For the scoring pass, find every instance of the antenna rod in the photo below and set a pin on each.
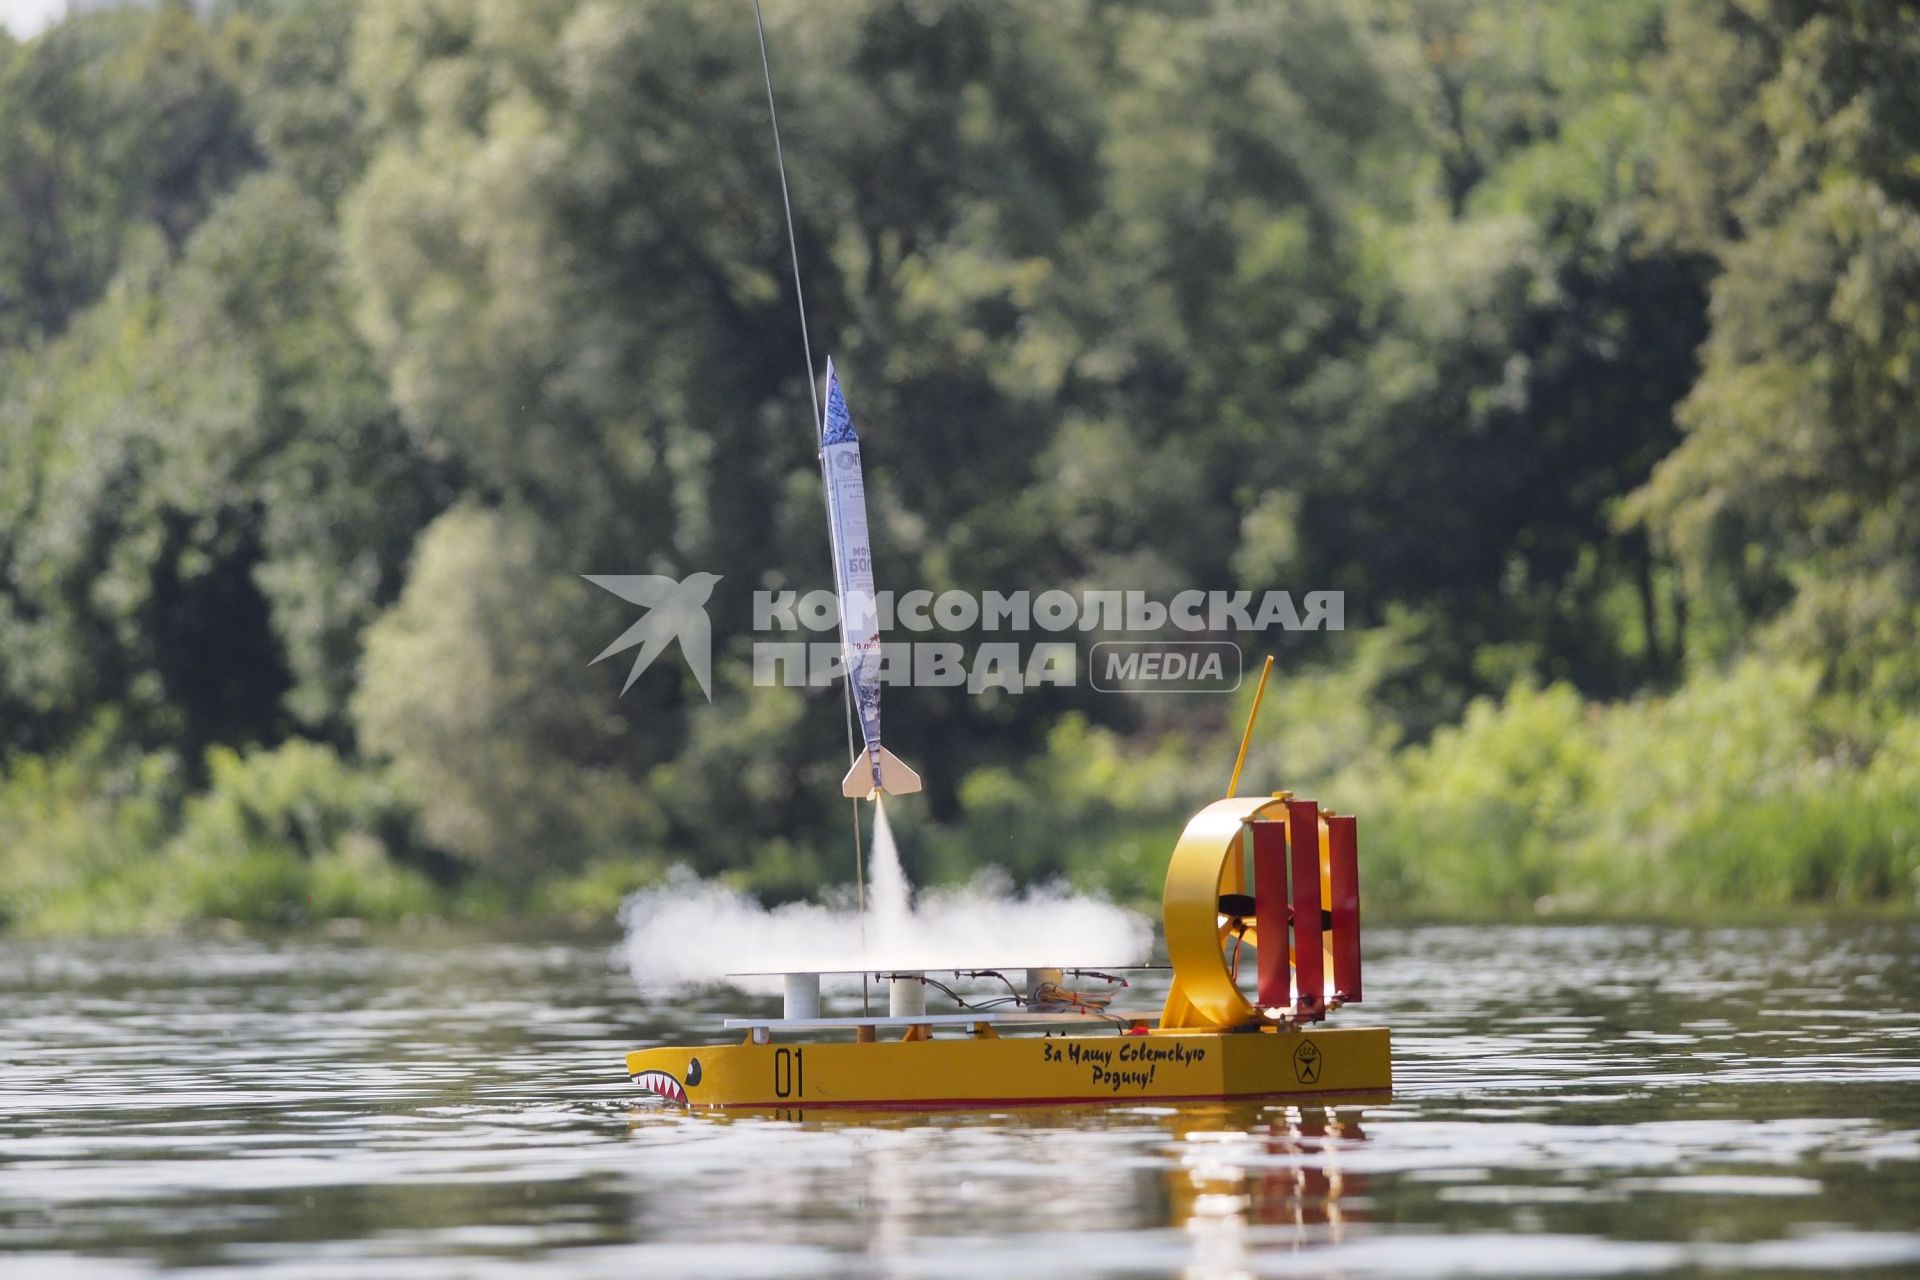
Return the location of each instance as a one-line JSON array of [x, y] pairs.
[[786, 203], [819, 436], [1246, 738]]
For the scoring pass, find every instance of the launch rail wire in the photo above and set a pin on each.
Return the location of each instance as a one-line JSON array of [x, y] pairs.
[[819, 436]]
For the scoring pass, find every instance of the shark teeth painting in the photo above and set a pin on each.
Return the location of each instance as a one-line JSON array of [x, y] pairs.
[[667, 1085]]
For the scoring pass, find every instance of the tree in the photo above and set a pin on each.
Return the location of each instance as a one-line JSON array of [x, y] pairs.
[[209, 496], [1793, 162], [475, 688], [107, 122]]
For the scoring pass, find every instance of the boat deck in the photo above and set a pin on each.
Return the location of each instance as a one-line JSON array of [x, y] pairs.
[[1020, 1017]]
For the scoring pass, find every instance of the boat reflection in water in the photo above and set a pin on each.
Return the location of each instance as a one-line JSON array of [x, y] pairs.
[[1241, 1190], [1240, 1182]]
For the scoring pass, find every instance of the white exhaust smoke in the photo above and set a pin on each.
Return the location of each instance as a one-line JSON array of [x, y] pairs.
[[687, 931]]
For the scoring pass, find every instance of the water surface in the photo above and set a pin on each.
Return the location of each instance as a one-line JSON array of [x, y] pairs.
[[1570, 1101]]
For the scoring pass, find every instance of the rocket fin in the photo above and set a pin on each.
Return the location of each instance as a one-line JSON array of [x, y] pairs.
[[896, 779]]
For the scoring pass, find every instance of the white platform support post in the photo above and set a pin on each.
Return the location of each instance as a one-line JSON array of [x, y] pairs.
[[803, 996], [906, 995]]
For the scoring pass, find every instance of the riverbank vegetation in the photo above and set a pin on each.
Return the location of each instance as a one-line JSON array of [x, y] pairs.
[[1576, 344]]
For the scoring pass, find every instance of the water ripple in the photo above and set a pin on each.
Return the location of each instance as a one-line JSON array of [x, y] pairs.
[[1569, 1102]]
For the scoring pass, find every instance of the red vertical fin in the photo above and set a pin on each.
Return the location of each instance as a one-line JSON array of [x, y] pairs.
[[1344, 869], [1270, 912], [1309, 966]]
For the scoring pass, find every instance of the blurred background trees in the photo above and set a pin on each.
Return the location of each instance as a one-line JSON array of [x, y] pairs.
[[1575, 343]]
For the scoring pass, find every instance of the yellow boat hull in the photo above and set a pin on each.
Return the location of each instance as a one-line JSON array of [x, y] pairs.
[[1163, 1066]]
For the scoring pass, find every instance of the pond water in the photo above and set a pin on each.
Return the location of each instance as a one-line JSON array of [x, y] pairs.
[[1576, 1101]]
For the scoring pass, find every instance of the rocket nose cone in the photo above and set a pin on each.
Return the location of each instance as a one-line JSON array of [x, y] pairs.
[[838, 428]]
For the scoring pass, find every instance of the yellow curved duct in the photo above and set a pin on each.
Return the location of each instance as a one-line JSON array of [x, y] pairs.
[[1206, 863]]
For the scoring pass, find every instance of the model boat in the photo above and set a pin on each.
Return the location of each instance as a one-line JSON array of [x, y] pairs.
[[1272, 879]]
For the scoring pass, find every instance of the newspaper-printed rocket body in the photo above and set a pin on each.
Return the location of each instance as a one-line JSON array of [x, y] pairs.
[[876, 769]]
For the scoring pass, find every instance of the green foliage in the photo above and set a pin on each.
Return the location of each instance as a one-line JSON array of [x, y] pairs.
[[107, 122], [1744, 787], [296, 69], [210, 497], [1091, 808], [1575, 343], [1787, 503], [1747, 787], [289, 837], [72, 827], [301, 800], [105, 840], [340, 489], [471, 688]]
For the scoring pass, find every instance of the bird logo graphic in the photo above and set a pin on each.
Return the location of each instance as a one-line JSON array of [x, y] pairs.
[[675, 611]]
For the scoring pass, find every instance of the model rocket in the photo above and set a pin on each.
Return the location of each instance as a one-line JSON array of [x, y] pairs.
[[875, 770]]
